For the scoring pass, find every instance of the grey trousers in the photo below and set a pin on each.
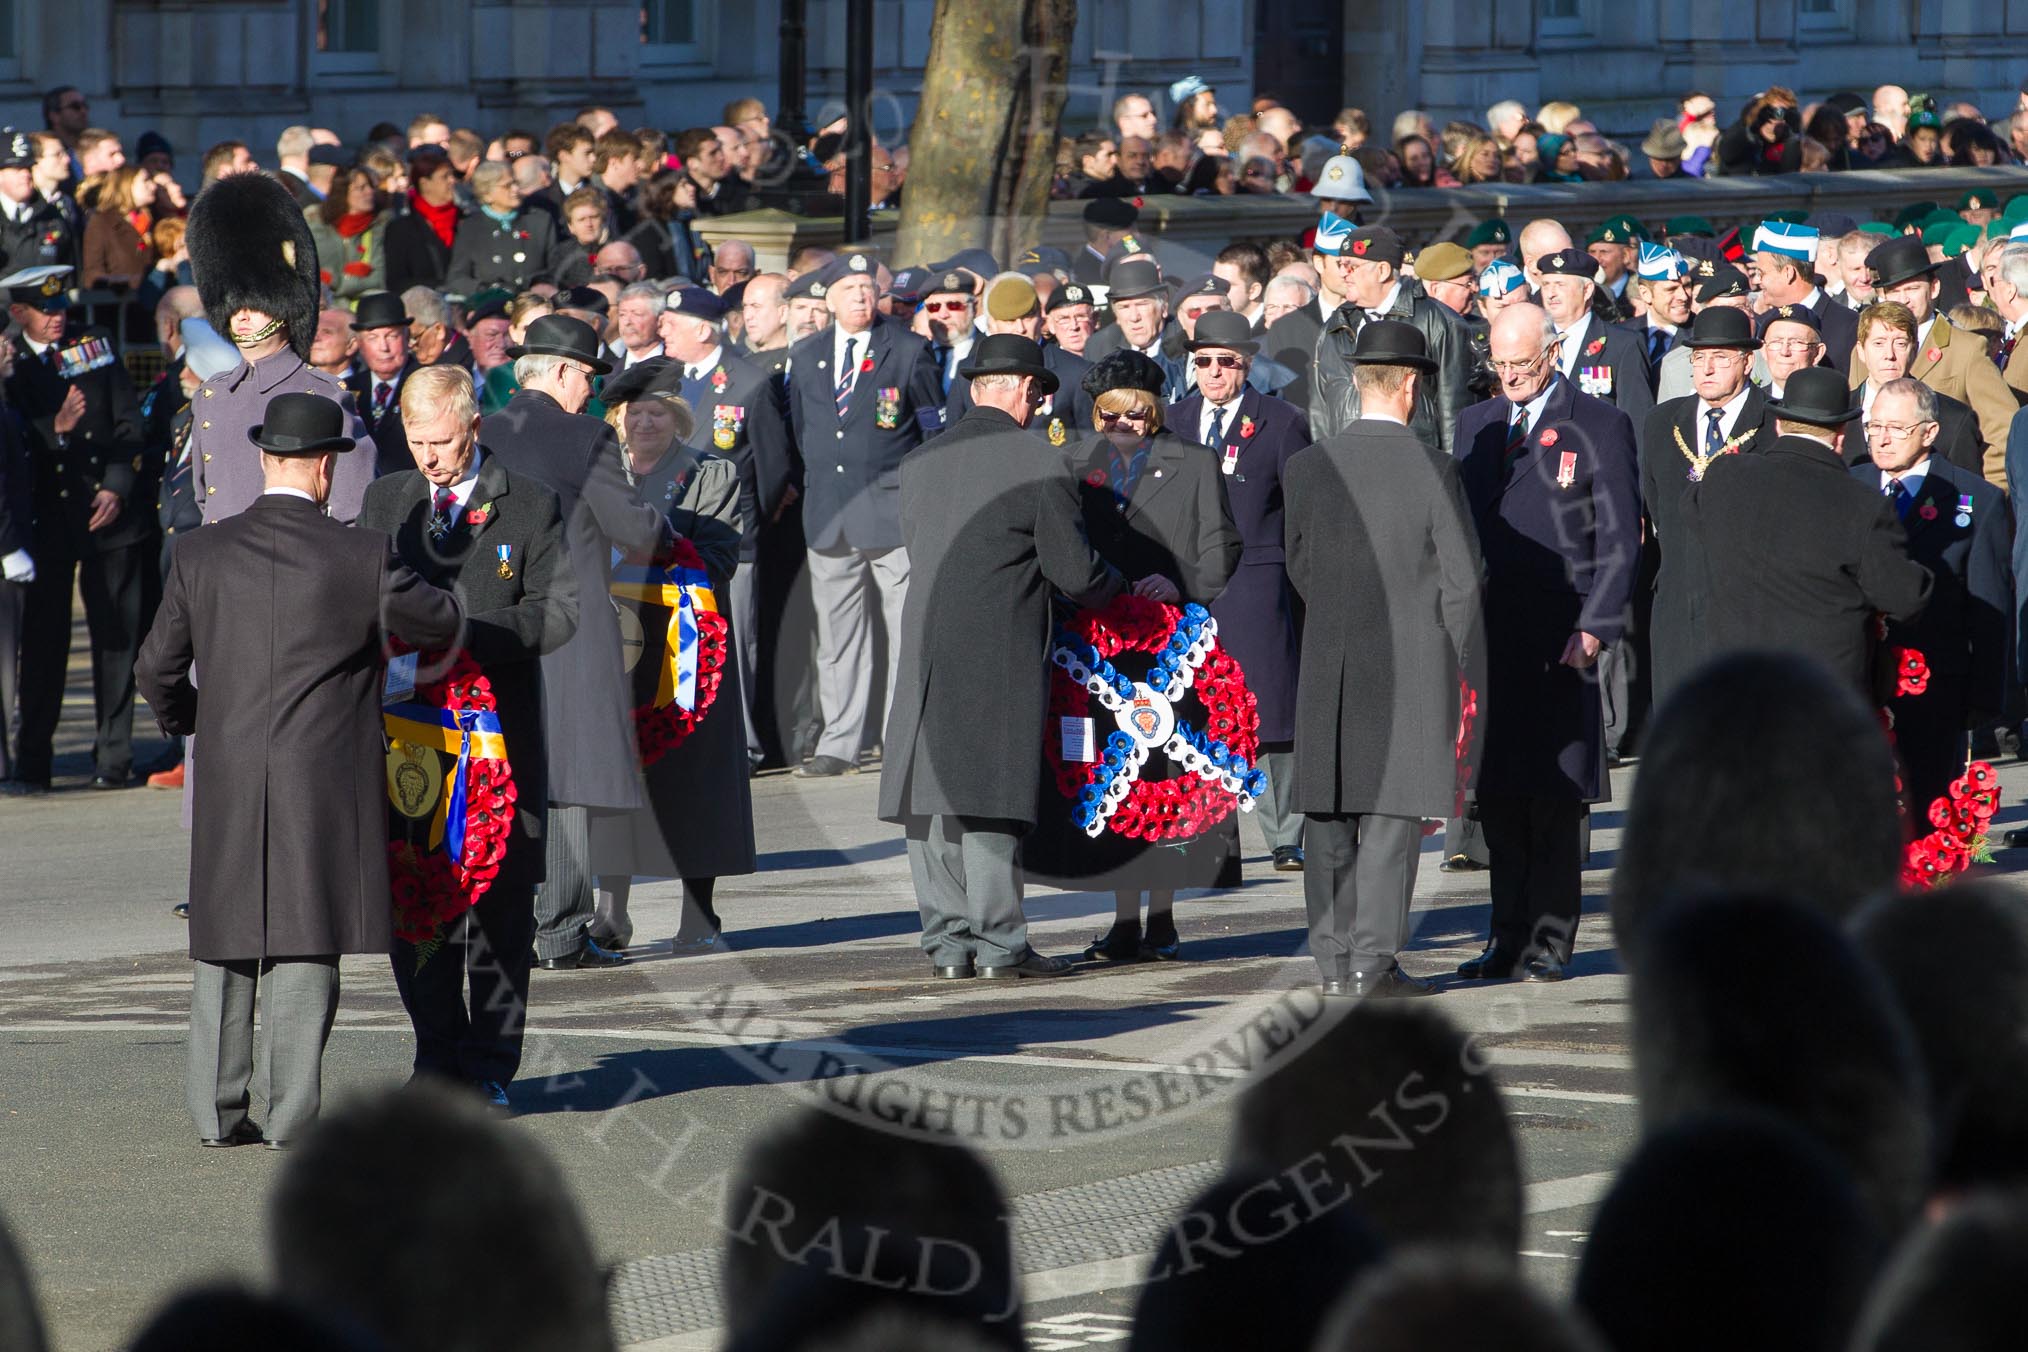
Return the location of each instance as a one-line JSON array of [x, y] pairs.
[[564, 899], [967, 880], [839, 587], [301, 998], [1358, 876], [1282, 826], [746, 633]]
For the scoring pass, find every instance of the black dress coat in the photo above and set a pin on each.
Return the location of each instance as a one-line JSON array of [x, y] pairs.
[[390, 441], [1176, 523], [1797, 556], [1673, 645], [1560, 558], [698, 822], [414, 255], [104, 450], [286, 612], [992, 524], [1840, 327], [1382, 551], [1957, 439], [1063, 416], [1965, 633], [587, 705], [510, 622], [852, 469], [1256, 612]]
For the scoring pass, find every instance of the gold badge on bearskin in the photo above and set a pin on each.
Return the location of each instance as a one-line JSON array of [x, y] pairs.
[[1057, 436], [633, 639], [415, 778]]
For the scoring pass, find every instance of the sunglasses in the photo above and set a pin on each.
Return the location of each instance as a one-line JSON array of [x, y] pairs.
[[1221, 361], [1111, 418], [936, 307]]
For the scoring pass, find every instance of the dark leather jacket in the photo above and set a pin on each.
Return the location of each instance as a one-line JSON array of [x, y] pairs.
[[1334, 399]]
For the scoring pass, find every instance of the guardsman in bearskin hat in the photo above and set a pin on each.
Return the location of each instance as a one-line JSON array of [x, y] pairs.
[[256, 270]]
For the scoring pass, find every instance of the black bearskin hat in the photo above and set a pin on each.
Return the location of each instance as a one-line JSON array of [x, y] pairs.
[[250, 249], [1125, 369]]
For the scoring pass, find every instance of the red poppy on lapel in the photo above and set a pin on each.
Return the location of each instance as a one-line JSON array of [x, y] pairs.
[[1594, 347], [1548, 436], [1246, 428], [1097, 478], [866, 364], [1927, 511]]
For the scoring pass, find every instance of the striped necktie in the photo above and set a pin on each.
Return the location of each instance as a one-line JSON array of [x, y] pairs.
[[848, 371], [1517, 438]]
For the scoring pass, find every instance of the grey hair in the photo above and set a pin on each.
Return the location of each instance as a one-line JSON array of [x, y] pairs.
[[486, 177], [1001, 380], [1295, 284], [657, 299], [2014, 266], [537, 367], [293, 141], [1503, 110], [1924, 396], [425, 307]]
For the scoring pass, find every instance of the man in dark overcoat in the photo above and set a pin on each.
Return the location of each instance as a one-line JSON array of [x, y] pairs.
[[1380, 543], [286, 611], [587, 703], [992, 524], [495, 539], [738, 417], [863, 393], [1961, 528], [1727, 415], [1253, 435], [381, 327], [1796, 555], [84, 439], [1552, 477]]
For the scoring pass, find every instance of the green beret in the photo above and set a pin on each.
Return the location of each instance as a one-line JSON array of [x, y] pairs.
[[1912, 213], [1924, 118], [2016, 207], [1958, 239], [1879, 228], [1978, 199], [1493, 231], [1692, 225], [1608, 232], [1935, 233], [1788, 217]]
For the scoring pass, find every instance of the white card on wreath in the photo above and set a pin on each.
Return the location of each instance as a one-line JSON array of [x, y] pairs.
[[400, 679], [1078, 737]]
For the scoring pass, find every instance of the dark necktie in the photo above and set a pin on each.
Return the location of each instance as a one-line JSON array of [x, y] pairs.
[[943, 353], [1517, 438], [1658, 345], [848, 371], [382, 393], [1898, 494], [1712, 439], [440, 514], [1219, 418]]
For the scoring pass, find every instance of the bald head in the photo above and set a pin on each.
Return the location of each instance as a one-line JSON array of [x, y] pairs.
[[1541, 237], [1519, 345], [1526, 325], [621, 259]]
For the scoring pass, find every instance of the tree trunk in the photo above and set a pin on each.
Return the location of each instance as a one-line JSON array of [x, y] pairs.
[[983, 150]]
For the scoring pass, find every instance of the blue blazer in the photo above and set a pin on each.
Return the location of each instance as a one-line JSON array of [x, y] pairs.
[[852, 467]]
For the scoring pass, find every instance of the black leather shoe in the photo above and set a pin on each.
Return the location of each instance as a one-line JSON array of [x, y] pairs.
[[960, 972], [1032, 965], [494, 1092], [612, 941], [1461, 863], [1288, 859], [825, 767], [1543, 967], [693, 945], [23, 788], [1161, 943], [1388, 985], [246, 1133], [103, 782], [591, 955], [1121, 943], [1336, 988], [2016, 838], [276, 1144], [181, 910], [1494, 964]]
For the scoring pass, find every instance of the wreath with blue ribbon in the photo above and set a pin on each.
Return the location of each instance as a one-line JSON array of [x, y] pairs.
[[675, 595]]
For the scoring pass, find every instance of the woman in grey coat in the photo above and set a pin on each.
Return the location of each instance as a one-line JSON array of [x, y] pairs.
[[698, 824]]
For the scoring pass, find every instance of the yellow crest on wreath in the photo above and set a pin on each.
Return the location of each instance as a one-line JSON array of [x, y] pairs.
[[415, 779]]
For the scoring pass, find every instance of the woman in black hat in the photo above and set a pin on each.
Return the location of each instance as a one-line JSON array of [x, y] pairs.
[[1154, 508], [698, 824]]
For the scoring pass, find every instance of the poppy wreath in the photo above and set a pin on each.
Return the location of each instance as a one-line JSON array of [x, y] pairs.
[[1961, 819], [1468, 716], [696, 640], [435, 882], [1216, 765]]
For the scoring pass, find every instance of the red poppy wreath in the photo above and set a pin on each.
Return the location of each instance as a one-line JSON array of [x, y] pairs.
[[678, 610], [1188, 675]]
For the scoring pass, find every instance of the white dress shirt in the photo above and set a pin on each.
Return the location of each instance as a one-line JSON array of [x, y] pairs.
[[861, 350], [1566, 341], [629, 357], [703, 366], [1728, 416], [1212, 413], [1534, 407], [1911, 478], [461, 491], [284, 491]]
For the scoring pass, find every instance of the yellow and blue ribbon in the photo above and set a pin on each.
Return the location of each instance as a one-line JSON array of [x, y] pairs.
[[686, 593], [460, 732]]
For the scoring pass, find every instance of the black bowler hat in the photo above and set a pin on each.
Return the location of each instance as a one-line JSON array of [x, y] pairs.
[[562, 336], [1132, 278], [1390, 342], [1816, 395], [1111, 213], [1898, 259], [1008, 354], [300, 424], [1224, 328], [379, 310], [1722, 326]]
